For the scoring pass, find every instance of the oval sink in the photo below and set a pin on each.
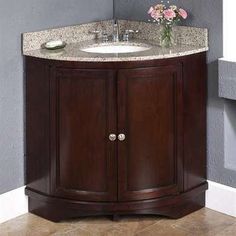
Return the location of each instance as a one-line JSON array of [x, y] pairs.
[[121, 48]]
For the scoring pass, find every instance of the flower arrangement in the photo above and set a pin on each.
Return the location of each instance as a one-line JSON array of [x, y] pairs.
[[167, 17]]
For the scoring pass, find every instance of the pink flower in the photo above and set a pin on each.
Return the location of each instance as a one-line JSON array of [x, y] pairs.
[[150, 10], [183, 13], [156, 15], [169, 14]]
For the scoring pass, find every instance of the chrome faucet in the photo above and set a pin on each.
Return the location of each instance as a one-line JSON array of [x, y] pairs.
[[115, 36], [116, 33]]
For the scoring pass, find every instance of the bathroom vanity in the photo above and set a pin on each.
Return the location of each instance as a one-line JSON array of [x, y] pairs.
[[115, 134]]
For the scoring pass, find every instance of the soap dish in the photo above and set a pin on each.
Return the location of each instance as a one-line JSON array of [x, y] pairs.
[[54, 44]]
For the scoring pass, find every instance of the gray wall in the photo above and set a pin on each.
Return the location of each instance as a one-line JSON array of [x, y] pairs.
[[203, 13], [227, 89], [17, 17]]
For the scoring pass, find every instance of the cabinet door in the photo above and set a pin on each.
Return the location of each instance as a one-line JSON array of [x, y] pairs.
[[85, 165], [150, 160]]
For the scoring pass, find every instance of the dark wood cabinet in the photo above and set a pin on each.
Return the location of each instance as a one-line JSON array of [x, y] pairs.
[[149, 103], [116, 138], [85, 114]]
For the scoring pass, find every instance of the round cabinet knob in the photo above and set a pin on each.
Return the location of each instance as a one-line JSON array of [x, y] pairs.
[[112, 137], [121, 137]]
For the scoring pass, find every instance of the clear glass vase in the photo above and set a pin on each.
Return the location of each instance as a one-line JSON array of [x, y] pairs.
[[167, 36]]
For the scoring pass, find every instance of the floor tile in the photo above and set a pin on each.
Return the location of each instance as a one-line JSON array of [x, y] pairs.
[[30, 224], [75, 232], [201, 223], [204, 222], [127, 225], [228, 231], [160, 229]]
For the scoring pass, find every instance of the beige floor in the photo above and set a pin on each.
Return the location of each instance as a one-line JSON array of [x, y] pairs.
[[203, 222]]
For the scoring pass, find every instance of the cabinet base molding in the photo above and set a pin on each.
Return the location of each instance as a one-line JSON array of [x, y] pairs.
[[58, 209]]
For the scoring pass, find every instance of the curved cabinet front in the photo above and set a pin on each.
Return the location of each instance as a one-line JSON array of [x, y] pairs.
[[110, 138], [150, 159]]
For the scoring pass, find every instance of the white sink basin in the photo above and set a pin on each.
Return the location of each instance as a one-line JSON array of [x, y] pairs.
[[121, 48]]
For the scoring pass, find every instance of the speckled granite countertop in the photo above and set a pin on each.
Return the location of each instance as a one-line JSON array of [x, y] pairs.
[[72, 52], [189, 41]]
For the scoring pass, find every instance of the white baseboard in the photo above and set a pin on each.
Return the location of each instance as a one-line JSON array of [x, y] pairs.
[[221, 198], [13, 204]]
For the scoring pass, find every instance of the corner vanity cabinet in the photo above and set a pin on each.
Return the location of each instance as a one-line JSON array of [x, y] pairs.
[[115, 138]]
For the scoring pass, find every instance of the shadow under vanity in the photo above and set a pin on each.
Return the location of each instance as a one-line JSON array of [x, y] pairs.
[[115, 134]]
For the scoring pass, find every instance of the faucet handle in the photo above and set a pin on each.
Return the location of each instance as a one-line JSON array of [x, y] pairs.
[[95, 32], [104, 36], [131, 31], [127, 33]]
